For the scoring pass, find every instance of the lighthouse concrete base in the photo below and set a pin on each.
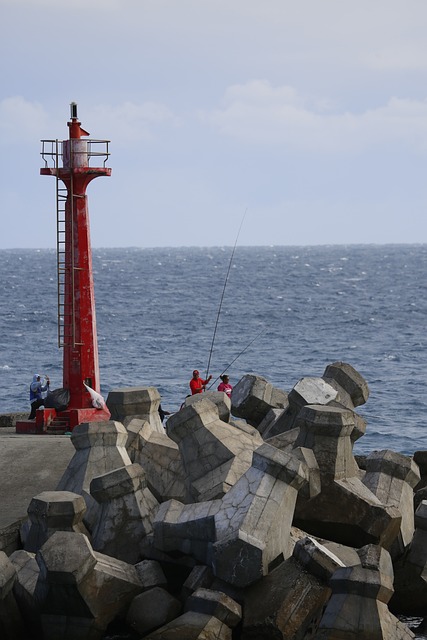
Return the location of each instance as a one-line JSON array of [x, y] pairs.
[[88, 414], [51, 421], [44, 418]]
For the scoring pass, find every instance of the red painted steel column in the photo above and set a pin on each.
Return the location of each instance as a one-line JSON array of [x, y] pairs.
[[80, 360], [80, 335]]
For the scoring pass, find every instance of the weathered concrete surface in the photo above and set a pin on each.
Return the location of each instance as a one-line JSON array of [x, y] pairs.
[[314, 485], [348, 555], [220, 400], [200, 577], [28, 465], [287, 603], [420, 459], [151, 574], [345, 510], [209, 615], [392, 477], [11, 621], [161, 460], [268, 426], [214, 453], [100, 447], [193, 626], [307, 391], [9, 420], [253, 524], [52, 511], [419, 496], [285, 440], [358, 605], [81, 591], [215, 603], [340, 386], [244, 532], [127, 510], [135, 402], [349, 383], [24, 587], [316, 558], [188, 529], [152, 609], [253, 397], [410, 584]]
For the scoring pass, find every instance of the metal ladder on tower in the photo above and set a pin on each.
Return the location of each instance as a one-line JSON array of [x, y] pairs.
[[64, 261], [60, 424]]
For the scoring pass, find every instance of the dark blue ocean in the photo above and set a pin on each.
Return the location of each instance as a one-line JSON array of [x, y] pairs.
[[288, 312]]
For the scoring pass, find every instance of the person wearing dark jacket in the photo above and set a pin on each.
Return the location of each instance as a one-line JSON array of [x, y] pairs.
[[37, 389]]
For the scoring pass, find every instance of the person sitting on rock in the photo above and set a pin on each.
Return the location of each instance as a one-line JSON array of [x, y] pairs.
[[197, 384], [37, 389]]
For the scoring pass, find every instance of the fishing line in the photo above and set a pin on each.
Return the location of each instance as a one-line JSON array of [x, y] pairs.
[[238, 356], [222, 296]]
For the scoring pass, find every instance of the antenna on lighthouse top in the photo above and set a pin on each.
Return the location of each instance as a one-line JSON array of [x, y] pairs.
[[76, 131]]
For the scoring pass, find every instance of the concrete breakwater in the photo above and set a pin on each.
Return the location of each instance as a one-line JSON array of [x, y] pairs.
[[246, 518]]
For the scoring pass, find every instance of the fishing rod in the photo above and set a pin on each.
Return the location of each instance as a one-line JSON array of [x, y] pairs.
[[238, 356], [222, 296]]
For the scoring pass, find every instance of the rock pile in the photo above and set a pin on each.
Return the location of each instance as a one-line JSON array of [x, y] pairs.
[[246, 518]]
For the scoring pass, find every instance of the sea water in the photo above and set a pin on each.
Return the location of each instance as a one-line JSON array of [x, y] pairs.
[[280, 312]]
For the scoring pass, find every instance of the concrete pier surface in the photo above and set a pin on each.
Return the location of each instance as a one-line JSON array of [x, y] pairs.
[[29, 464]]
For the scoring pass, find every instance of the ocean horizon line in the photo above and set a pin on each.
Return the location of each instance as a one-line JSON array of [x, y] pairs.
[[243, 246]]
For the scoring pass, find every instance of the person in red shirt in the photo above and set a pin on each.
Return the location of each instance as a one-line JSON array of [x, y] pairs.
[[225, 385], [197, 384]]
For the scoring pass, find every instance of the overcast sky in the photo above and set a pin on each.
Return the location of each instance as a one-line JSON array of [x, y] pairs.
[[311, 115]]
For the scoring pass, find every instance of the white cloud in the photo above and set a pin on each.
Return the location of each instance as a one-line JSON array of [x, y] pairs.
[[22, 120], [129, 122], [259, 113]]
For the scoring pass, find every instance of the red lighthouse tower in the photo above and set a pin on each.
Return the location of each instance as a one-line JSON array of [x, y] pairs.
[[70, 162]]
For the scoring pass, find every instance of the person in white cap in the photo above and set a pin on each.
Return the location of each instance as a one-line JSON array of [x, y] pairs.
[[37, 389]]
